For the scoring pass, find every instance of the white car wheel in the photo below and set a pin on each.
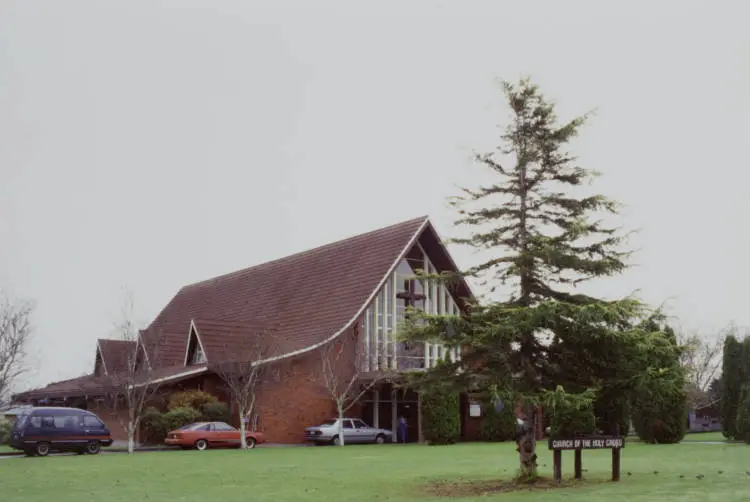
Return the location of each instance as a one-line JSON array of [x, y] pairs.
[[337, 441], [201, 445], [250, 443], [42, 449], [380, 439]]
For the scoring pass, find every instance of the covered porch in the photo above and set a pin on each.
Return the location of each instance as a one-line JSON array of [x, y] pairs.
[[383, 406]]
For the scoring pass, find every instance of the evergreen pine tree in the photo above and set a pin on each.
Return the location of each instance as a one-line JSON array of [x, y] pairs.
[[659, 400], [732, 383], [543, 242]]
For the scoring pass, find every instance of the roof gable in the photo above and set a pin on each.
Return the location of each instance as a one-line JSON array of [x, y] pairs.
[[165, 345], [114, 354], [224, 341], [309, 295]]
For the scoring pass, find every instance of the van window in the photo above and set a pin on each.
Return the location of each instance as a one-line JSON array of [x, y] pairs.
[[68, 421], [35, 421], [57, 422], [20, 422], [92, 421]]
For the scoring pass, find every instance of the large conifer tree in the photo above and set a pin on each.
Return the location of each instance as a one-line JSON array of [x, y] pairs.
[[733, 380], [542, 239]]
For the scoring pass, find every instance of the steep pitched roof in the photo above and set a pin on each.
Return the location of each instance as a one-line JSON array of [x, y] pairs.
[[115, 353], [308, 296]]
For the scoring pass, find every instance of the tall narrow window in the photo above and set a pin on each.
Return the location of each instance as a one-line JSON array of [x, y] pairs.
[[368, 341], [379, 321], [388, 316], [428, 288], [198, 356], [441, 300]]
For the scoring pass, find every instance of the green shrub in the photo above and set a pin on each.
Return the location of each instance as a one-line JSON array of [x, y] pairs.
[[497, 426], [660, 409], [195, 399], [5, 429], [218, 412], [441, 420], [569, 421], [612, 411], [180, 416], [153, 426]]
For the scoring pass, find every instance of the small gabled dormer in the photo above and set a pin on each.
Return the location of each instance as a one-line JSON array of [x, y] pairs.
[[195, 353], [99, 367]]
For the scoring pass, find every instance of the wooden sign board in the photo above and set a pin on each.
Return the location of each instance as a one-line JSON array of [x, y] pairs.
[[578, 444], [588, 443]]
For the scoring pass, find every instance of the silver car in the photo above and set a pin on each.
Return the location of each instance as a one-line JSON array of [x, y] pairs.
[[356, 431]]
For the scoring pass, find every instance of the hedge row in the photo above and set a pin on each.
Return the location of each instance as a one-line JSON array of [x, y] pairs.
[[183, 408], [441, 415], [5, 430]]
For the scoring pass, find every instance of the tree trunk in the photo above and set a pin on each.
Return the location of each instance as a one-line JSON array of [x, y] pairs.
[[243, 438], [527, 446], [341, 425], [131, 437]]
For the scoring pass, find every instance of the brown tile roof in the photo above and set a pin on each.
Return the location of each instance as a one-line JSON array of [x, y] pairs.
[[166, 345], [80, 386], [307, 297], [93, 386], [223, 340], [115, 353]]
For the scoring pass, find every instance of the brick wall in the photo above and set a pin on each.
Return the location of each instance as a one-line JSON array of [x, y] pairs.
[[297, 398], [292, 398], [115, 420]]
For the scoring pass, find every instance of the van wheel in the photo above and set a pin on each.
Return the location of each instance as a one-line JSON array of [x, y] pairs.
[[201, 445], [42, 449], [93, 447]]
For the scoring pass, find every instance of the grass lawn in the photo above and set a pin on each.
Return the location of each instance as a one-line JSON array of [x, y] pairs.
[[368, 473]]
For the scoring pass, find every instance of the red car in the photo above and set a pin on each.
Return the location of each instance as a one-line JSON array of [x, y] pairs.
[[204, 435]]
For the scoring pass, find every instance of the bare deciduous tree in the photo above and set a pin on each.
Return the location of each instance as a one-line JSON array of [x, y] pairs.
[[342, 371], [15, 332], [244, 373], [134, 386], [701, 357]]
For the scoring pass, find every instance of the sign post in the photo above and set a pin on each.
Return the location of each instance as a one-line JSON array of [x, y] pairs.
[[578, 444]]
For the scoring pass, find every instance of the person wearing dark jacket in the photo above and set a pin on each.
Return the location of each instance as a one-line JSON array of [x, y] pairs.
[[402, 430]]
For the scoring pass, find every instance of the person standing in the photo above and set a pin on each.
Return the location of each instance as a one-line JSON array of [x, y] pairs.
[[402, 429]]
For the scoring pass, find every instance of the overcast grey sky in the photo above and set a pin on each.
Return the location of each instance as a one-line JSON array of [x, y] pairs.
[[156, 143]]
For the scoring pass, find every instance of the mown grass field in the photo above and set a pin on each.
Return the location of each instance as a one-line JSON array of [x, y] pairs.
[[369, 473]]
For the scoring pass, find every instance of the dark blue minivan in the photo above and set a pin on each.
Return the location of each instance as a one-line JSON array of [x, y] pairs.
[[43, 430]]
